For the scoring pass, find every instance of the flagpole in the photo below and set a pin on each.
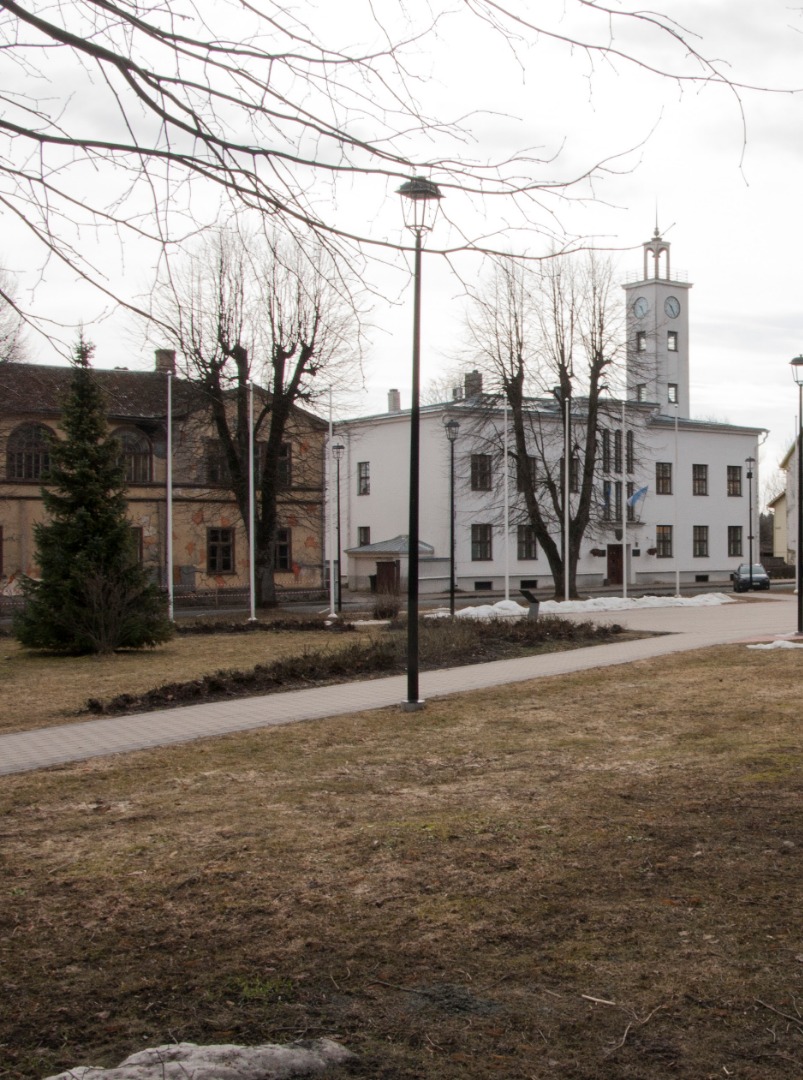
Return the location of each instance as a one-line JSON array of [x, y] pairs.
[[251, 505], [675, 488], [329, 468], [507, 510], [625, 504], [169, 497]]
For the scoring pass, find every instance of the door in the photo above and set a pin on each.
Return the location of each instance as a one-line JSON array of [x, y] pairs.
[[614, 564], [387, 577]]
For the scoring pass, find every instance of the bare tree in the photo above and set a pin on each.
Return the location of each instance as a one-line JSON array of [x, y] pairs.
[[12, 346], [547, 337], [147, 121], [273, 313]]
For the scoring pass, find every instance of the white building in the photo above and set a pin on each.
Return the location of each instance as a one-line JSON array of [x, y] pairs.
[[695, 522]]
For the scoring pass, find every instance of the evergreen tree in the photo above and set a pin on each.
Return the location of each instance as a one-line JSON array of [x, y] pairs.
[[92, 595]]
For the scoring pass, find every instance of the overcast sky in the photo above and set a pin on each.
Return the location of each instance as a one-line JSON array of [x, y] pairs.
[[731, 209]]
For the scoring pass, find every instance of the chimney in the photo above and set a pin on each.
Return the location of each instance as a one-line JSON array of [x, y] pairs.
[[394, 401], [165, 361], [473, 383]]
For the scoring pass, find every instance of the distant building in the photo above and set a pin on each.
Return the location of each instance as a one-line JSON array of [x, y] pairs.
[[210, 545], [694, 521]]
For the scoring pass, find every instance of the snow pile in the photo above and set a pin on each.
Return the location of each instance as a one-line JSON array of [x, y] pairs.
[[509, 609], [782, 644]]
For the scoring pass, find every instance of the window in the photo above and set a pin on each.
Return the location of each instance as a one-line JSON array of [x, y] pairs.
[[480, 472], [734, 540], [282, 550], [672, 393], [363, 535], [641, 341], [663, 477], [481, 543], [612, 500], [700, 541], [526, 545], [735, 480], [28, 452], [363, 477], [672, 340], [216, 470], [135, 456], [629, 451], [699, 479], [284, 466], [526, 472], [606, 451], [617, 450], [663, 541], [631, 510], [641, 392], [220, 551], [137, 545]]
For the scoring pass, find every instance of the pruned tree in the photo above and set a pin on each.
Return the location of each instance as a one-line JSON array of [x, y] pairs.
[[91, 595], [266, 311], [143, 121], [547, 338]]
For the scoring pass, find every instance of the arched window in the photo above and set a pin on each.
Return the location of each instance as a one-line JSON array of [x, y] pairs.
[[28, 452], [135, 455]]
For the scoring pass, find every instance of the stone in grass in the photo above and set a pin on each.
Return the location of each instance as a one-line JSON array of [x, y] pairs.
[[182, 1060]]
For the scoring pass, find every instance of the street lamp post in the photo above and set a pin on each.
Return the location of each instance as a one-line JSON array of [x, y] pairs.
[[797, 374], [338, 449], [750, 462], [452, 430], [420, 199]]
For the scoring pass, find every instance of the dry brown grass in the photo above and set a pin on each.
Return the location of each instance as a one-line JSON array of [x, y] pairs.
[[37, 691], [596, 876]]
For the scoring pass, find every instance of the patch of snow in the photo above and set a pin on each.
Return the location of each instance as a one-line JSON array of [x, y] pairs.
[[782, 644], [509, 609]]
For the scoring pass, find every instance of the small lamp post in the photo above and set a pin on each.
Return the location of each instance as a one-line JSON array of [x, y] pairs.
[[420, 198], [338, 449], [750, 462], [452, 431], [797, 375]]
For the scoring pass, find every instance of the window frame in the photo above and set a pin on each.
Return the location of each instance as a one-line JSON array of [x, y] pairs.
[[33, 453], [664, 540], [133, 458], [526, 543], [363, 477], [699, 479], [283, 549], [222, 548], [735, 541], [700, 537], [481, 472], [663, 477], [363, 536], [481, 542], [672, 341], [641, 341], [733, 481]]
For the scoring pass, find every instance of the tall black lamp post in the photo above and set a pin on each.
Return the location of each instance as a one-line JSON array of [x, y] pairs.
[[338, 449], [420, 198], [797, 374], [452, 430], [750, 462]]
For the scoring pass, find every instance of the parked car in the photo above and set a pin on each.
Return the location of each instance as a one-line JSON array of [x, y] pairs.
[[745, 578]]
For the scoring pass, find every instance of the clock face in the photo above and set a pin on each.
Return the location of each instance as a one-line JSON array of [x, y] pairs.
[[672, 307], [641, 307]]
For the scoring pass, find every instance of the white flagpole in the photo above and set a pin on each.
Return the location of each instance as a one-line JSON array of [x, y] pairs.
[[251, 505], [329, 468], [169, 500], [676, 490], [507, 508], [625, 506], [567, 440]]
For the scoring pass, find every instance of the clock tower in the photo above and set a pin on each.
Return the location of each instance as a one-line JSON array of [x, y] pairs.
[[657, 327]]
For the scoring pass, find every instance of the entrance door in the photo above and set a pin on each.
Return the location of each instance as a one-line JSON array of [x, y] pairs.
[[614, 564], [387, 577]]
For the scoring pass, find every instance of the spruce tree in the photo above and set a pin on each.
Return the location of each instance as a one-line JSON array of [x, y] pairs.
[[92, 596]]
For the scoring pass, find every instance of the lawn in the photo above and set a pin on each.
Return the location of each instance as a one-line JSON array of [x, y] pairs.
[[585, 877]]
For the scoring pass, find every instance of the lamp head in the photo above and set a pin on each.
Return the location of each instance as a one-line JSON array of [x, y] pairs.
[[452, 429], [420, 199], [797, 369], [338, 450]]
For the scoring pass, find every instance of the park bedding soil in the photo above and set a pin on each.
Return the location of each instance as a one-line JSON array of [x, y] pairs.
[[593, 876]]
